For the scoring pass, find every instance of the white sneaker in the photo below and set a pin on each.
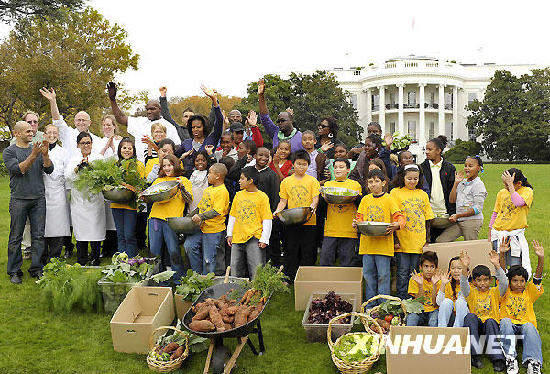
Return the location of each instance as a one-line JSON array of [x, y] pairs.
[[534, 367], [511, 365]]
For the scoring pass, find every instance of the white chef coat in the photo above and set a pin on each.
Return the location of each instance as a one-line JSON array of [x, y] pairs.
[[102, 142], [68, 136], [58, 219], [140, 126]]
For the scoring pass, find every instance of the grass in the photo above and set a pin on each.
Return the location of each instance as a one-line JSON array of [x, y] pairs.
[[37, 341]]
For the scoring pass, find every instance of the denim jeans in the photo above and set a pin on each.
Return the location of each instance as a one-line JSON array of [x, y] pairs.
[[423, 319], [202, 249], [246, 256], [35, 210], [532, 345], [490, 329], [332, 247], [160, 232], [446, 312], [510, 260], [125, 223], [376, 271], [406, 263]]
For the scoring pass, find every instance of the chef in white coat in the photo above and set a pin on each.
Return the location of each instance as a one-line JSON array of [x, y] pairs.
[[58, 220], [87, 210]]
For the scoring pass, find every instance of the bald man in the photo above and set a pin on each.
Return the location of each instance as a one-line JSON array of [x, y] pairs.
[[26, 162], [138, 127]]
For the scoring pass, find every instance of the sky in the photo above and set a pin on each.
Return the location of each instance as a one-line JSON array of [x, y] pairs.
[[227, 44]]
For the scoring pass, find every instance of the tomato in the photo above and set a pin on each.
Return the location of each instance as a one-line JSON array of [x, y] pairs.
[[388, 318]]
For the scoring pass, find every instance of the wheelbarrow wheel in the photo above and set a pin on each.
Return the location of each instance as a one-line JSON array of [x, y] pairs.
[[220, 356]]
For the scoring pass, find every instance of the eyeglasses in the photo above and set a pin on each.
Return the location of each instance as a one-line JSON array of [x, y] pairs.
[[85, 143], [280, 120], [323, 126]]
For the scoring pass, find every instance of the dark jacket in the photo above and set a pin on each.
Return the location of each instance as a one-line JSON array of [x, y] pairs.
[[330, 152], [447, 176], [183, 133]]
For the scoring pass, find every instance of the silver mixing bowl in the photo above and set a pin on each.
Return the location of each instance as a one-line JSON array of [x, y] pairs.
[[183, 225], [295, 216], [331, 198], [372, 228], [160, 192], [119, 195], [441, 222]]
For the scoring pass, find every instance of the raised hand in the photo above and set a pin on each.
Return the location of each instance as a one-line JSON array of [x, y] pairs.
[[146, 139], [417, 277], [209, 149], [388, 138], [325, 147], [211, 93], [162, 91], [252, 118], [445, 277], [459, 176], [36, 149], [437, 276], [464, 259], [538, 249], [507, 178], [111, 90], [44, 148], [186, 154], [226, 123], [261, 86], [48, 94], [494, 258], [504, 245]]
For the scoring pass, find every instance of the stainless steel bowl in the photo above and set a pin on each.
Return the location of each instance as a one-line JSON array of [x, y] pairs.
[[160, 192], [119, 195], [295, 216], [183, 225], [441, 222], [330, 197], [372, 228]]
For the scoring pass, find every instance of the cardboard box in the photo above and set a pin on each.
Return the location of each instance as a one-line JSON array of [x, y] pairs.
[[451, 356], [142, 311], [477, 249], [319, 279]]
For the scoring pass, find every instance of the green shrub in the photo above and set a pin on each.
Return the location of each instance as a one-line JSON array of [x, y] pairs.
[[462, 149]]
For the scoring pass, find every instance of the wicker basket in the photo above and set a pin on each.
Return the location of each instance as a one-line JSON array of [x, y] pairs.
[[375, 309], [358, 367], [166, 366]]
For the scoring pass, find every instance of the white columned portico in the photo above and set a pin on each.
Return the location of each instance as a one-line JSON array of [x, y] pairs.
[[422, 121], [382, 110], [400, 121], [454, 128], [441, 110], [369, 105]]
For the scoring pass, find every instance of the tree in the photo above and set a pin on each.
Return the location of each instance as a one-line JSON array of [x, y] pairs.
[[312, 97], [514, 117], [200, 105], [76, 56], [462, 149], [13, 10]]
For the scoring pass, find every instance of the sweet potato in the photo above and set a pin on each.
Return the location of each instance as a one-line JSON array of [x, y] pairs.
[[177, 353], [226, 317], [216, 319], [202, 313], [255, 312], [170, 347], [228, 326], [202, 326], [241, 316], [232, 310]]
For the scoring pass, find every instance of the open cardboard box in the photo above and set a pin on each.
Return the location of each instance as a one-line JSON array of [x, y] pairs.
[[421, 350], [478, 250], [319, 279], [143, 310]]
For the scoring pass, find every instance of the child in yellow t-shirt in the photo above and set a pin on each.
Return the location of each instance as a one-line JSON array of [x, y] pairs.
[[483, 302], [299, 190], [159, 231], [517, 317], [452, 305], [425, 285], [203, 246], [415, 205], [377, 251], [249, 226], [340, 236]]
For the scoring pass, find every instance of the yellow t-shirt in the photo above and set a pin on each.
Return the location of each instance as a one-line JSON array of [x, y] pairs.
[[519, 306], [216, 198], [509, 216], [149, 165], [428, 292], [416, 207], [449, 291], [141, 171], [340, 216], [377, 209], [250, 209], [484, 304], [300, 192], [173, 207]]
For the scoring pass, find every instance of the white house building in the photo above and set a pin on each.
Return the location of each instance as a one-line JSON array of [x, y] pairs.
[[420, 96]]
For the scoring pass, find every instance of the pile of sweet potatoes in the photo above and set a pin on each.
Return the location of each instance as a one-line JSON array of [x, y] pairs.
[[224, 314]]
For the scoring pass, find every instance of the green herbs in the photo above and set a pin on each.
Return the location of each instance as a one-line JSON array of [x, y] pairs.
[[356, 347], [133, 270], [192, 285], [394, 307], [269, 279]]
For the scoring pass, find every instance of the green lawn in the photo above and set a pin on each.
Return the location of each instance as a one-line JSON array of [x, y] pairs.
[[37, 341]]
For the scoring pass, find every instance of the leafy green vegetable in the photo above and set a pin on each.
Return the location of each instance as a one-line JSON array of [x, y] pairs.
[[196, 343], [192, 285], [268, 279], [133, 270], [400, 142], [356, 347], [394, 307]]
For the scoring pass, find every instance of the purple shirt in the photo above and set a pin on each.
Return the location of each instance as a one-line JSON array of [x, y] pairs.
[[273, 131]]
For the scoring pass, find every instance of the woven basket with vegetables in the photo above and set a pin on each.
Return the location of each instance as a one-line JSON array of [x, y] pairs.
[[167, 353], [355, 353], [389, 313]]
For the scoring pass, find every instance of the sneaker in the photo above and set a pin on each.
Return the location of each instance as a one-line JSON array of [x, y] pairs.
[[16, 279], [499, 366], [511, 365], [476, 362], [534, 367], [26, 254]]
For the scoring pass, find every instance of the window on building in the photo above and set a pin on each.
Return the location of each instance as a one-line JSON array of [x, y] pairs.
[[431, 97], [353, 99], [411, 96], [471, 134], [392, 127], [448, 100], [431, 130], [392, 99], [411, 128], [471, 97], [375, 102]]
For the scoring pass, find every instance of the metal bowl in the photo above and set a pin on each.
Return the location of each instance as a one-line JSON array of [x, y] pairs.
[[295, 216], [119, 195], [183, 225], [330, 197], [160, 192], [372, 228], [441, 222]]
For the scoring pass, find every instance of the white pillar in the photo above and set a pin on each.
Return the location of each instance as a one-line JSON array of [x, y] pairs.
[[455, 114], [422, 121], [369, 105], [382, 111], [400, 122], [441, 111]]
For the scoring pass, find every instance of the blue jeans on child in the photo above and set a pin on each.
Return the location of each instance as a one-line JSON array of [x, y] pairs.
[[201, 249], [446, 311], [160, 232], [532, 345], [376, 271], [423, 319], [490, 329], [246, 256], [406, 263], [125, 223], [510, 260]]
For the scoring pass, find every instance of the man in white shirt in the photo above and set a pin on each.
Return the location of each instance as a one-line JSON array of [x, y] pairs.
[[138, 127]]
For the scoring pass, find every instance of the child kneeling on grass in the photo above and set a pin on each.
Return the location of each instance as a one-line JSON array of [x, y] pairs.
[[249, 226], [517, 317], [377, 251], [452, 304], [483, 302], [425, 285]]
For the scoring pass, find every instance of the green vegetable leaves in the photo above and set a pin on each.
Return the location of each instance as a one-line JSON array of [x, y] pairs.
[[356, 347], [394, 307], [399, 142], [268, 279], [192, 285]]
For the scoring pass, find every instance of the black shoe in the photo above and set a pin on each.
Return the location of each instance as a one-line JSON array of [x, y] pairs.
[[476, 362], [38, 274], [499, 366], [16, 279], [96, 262]]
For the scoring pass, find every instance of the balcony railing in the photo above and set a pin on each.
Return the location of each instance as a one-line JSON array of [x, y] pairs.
[[392, 106], [448, 106], [375, 108]]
